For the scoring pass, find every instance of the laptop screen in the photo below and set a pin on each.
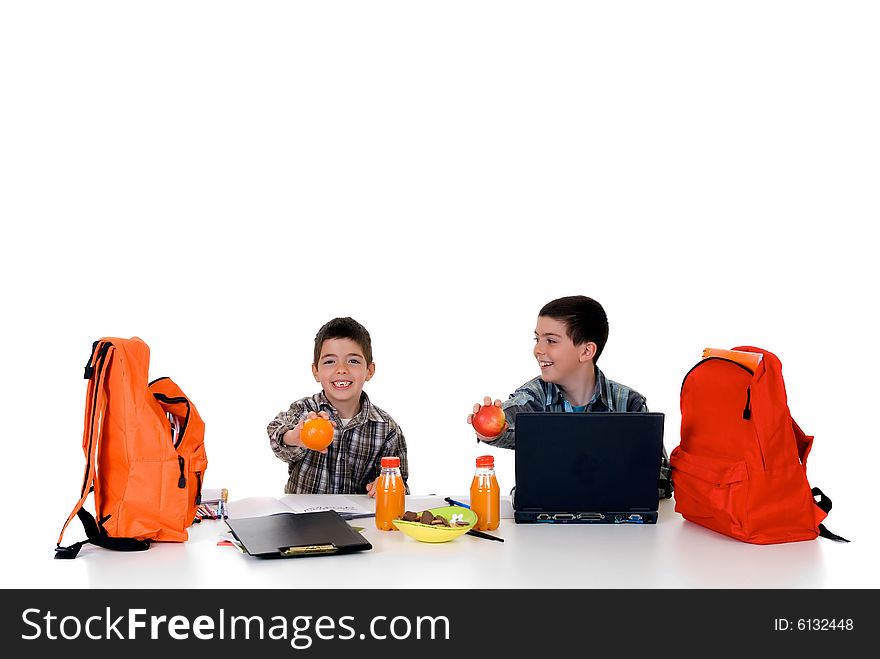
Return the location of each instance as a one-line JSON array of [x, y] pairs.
[[587, 462]]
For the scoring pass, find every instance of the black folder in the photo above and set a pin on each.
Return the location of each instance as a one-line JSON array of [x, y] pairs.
[[295, 535]]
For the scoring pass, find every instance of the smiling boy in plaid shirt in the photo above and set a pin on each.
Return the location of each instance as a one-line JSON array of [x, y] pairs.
[[363, 433]]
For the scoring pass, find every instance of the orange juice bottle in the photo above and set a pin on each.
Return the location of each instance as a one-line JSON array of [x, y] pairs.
[[486, 495], [390, 495]]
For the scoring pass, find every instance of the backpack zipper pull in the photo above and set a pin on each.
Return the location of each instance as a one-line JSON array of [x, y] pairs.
[[747, 412], [181, 483]]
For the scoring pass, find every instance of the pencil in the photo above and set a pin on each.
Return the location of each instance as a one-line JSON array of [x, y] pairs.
[[221, 505], [453, 502], [480, 534]]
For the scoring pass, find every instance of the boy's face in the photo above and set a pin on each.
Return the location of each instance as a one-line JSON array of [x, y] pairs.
[[342, 370], [560, 359]]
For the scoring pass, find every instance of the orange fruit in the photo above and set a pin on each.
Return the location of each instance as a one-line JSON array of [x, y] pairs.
[[317, 433]]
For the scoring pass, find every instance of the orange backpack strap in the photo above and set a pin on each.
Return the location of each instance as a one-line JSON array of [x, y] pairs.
[[804, 444], [96, 405], [824, 504]]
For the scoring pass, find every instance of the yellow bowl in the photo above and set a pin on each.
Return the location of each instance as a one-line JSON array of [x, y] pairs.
[[425, 533]]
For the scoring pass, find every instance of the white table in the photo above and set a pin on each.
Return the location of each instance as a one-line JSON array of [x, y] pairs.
[[670, 554]]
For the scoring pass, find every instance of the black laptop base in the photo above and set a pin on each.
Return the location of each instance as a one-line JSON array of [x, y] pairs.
[[629, 517]]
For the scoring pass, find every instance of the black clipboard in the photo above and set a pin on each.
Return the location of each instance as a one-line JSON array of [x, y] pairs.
[[297, 535]]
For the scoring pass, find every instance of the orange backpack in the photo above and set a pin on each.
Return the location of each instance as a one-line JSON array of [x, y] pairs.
[[741, 466], [145, 453]]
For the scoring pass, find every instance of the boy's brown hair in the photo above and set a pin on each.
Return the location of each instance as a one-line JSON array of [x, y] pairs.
[[585, 320], [344, 328]]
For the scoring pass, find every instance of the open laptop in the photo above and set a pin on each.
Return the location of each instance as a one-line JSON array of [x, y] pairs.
[[591, 468]]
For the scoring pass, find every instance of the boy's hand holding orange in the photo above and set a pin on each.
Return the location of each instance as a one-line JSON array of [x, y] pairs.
[[317, 433], [314, 431], [488, 419]]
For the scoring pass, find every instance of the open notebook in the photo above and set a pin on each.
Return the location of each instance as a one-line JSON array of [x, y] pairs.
[[298, 503]]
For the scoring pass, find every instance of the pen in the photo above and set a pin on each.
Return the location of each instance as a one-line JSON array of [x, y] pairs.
[[221, 505], [480, 534], [453, 502]]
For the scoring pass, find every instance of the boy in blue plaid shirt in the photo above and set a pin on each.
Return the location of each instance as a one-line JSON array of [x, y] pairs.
[[570, 334]]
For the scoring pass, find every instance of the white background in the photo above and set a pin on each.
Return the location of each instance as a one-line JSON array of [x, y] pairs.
[[222, 178]]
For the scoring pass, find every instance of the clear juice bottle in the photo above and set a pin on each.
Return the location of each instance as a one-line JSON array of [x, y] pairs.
[[390, 495], [486, 495]]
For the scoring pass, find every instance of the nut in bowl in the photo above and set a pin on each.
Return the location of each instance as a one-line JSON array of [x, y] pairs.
[[461, 521]]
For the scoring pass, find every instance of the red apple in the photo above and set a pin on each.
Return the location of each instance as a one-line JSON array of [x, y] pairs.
[[489, 421]]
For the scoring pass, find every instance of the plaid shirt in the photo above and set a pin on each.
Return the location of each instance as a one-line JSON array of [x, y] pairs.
[[352, 460], [539, 396]]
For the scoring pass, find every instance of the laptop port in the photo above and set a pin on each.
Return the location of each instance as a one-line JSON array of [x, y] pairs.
[[563, 516], [543, 516], [635, 517], [596, 516]]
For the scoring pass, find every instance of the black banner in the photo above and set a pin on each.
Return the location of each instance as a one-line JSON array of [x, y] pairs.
[[434, 622]]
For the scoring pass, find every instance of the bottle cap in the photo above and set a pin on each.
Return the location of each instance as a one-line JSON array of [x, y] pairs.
[[390, 462], [486, 461]]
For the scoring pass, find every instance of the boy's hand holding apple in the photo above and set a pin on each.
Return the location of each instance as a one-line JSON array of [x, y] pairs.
[[488, 419]]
